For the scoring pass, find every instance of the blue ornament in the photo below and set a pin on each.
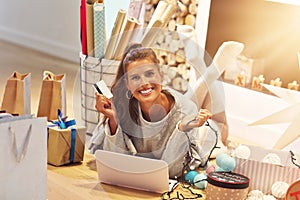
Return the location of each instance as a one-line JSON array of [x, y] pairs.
[[189, 177], [200, 181], [228, 164], [219, 169], [220, 158]]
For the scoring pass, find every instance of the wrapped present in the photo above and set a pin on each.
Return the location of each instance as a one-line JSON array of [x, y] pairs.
[[66, 142], [264, 167], [226, 185]]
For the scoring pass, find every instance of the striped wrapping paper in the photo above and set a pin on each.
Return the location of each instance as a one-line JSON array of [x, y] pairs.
[[264, 175], [99, 30]]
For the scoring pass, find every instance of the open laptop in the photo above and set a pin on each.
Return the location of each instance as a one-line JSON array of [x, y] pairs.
[[133, 171]]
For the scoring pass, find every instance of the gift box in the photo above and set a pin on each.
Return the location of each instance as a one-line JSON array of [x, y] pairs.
[[266, 166], [227, 185], [65, 145]]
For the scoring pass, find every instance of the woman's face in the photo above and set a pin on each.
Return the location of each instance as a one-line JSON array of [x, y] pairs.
[[144, 80]]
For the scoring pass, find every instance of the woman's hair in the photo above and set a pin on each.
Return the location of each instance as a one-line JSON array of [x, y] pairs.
[[132, 53]]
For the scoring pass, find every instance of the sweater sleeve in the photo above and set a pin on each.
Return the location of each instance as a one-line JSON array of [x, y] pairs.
[[175, 151], [103, 139], [199, 141]]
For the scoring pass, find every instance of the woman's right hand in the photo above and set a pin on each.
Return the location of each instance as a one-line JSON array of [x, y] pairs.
[[106, 107]]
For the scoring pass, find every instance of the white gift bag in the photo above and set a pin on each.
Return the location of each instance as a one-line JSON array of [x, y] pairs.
[[23, 155]]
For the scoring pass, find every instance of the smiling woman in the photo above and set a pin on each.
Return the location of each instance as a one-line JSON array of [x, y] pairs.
[[148, 119]]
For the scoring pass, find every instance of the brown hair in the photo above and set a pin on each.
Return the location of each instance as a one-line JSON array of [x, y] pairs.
[[133, 52]]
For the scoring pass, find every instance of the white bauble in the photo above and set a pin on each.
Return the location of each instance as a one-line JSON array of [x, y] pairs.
[[269, 197], [272, 158], [242, 151], [255, 194], [279, 189]]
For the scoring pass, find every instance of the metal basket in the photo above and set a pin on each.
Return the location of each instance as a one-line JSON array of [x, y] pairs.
[[93, 70]]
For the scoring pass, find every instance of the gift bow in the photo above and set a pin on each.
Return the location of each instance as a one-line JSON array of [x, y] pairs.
[[61, 121]]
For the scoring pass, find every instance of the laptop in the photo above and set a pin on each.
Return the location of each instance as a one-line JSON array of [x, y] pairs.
[[133, 171]]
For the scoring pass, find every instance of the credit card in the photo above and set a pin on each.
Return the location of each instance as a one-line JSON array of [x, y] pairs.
[[102, 88]]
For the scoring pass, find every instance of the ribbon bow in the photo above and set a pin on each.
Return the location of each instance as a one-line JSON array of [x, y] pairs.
[[64, 124], [61, 121]]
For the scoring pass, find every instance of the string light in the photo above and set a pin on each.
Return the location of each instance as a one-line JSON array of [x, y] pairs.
[[188, 184]]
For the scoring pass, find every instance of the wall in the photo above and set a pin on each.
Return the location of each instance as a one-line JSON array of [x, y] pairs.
[[48, 26], [51, 26], [270, 32], [54, 26]]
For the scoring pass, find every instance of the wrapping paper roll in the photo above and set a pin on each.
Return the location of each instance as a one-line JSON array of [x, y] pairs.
[[167, 14], [152, 34], [90, 28], [83, 27], [99, 30], [159, 20], [137, 33], [109, 53], [125, 38], [159, 11]]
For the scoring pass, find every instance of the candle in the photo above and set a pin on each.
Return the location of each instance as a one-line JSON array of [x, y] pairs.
[[240, 79], [277, 82], [293, 85], [257, 82]]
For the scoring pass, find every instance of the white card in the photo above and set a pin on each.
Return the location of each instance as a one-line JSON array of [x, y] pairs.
[[102, 88]]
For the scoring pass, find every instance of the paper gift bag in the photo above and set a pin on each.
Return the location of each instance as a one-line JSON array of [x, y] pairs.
[[66, 145], [262, 173], [16, 99], [52, 96], [23, 154]]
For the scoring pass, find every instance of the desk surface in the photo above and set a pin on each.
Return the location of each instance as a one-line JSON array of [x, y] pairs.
[[80, 181]]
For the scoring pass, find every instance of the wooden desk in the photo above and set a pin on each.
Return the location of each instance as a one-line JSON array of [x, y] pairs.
[[80, 181]]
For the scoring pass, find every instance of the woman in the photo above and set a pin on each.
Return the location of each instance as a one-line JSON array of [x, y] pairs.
[[146, 119]]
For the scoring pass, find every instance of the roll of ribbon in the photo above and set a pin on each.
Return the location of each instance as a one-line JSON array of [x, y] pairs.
[[99, 30]]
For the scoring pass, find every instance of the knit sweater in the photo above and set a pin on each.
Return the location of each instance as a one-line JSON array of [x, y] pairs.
[[159, 140]]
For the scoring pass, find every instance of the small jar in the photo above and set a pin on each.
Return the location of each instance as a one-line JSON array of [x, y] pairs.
[[226, 185]]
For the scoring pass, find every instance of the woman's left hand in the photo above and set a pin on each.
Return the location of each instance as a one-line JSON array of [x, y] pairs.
[[193, 121]]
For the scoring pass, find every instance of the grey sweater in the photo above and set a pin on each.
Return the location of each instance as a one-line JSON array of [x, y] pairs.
[[159, 140]]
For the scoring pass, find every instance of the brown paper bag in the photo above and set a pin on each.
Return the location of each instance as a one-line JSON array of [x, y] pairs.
[[16, 99], [52, 96], [60, 145]]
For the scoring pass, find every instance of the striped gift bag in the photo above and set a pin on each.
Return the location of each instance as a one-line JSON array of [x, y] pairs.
[[262, 174]]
